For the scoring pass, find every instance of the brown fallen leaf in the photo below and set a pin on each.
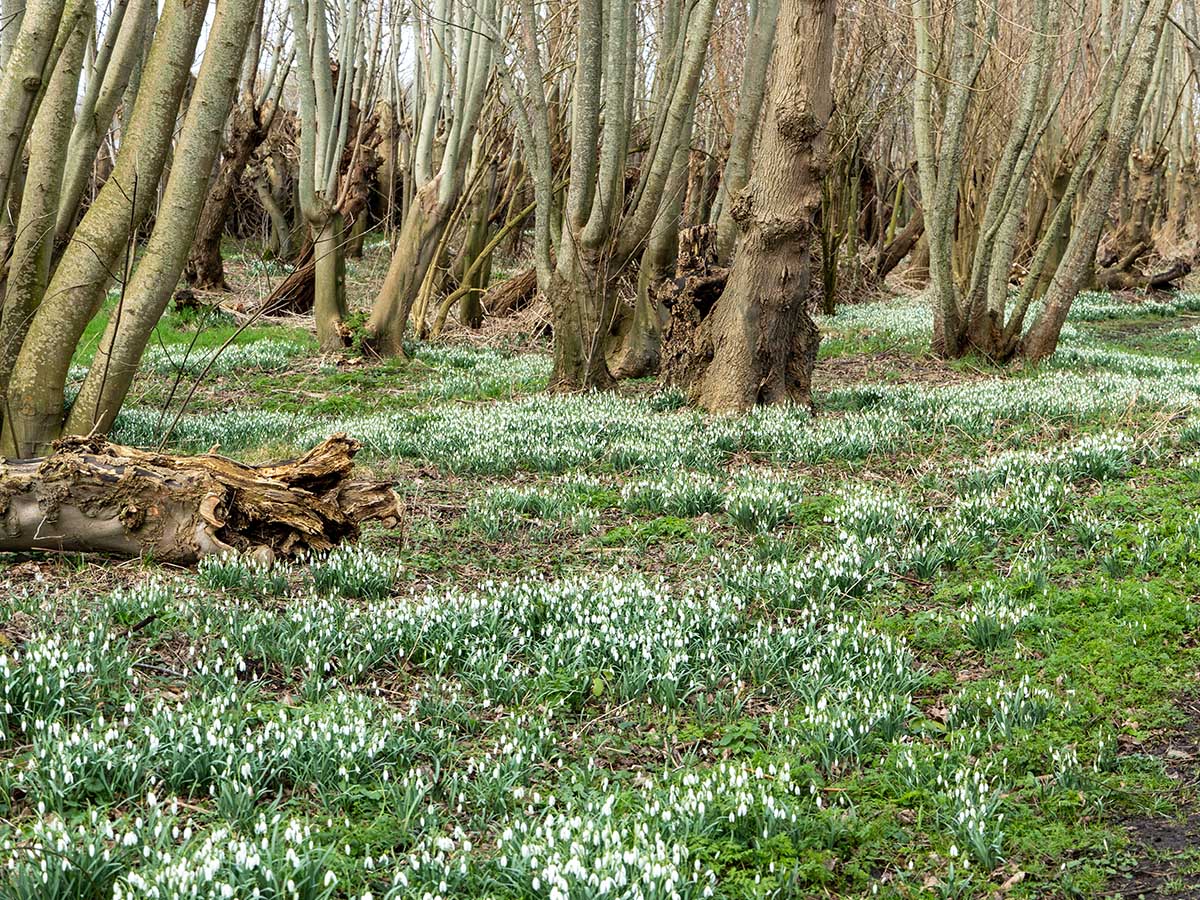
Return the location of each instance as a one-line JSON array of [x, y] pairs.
[[1012, 881]]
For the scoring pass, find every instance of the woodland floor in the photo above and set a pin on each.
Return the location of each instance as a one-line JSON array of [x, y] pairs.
[[941, 641]]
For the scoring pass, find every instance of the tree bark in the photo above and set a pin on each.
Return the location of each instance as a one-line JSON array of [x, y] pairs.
[[205, 269], [473, 278], [1042, 338], [29, 266], [512, 294], [329, 285], [581, 308], [99, 105], [1132, 238], [634, 350], [25, 73], [92, 496], [761, 342], [416, 245], [893, 253], [759, 49], [148, 291], [34, 411]]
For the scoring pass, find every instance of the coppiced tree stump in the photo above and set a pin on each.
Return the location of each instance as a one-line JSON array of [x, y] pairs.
[[90, 495], [689, 298]]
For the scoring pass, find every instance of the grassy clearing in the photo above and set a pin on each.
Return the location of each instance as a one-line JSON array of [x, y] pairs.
[[928, 644]]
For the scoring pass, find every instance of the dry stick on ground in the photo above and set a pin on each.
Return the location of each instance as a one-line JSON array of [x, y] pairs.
[[92, 496]]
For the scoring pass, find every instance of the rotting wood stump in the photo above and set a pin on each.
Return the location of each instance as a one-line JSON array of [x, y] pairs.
[[90, 495]]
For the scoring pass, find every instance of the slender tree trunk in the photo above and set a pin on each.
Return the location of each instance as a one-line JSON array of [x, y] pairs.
[[438, 193], [1078, 259], [34, 413], [357, 236], [98, 107], [280, 241], [29, 267], [11, 14], [329, 287], [473, 278], [636, 345], [26, 71], [416, 245]]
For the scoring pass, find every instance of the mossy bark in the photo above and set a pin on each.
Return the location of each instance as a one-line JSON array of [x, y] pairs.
[[146, 294], [329, 286], [35, 399]]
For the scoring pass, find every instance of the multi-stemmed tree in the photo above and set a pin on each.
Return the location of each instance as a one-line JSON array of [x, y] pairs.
[[971, 307], [45, 315], [457, 41]]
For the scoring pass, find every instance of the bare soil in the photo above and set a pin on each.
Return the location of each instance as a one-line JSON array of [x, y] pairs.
[[1167, 847]]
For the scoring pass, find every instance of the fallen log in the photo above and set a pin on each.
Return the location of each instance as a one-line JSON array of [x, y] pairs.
[[1161, 279], [511, 295], [92, 496]]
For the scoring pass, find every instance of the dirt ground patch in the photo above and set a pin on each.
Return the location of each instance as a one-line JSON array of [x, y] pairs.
[[1168, 847], [891, 366]]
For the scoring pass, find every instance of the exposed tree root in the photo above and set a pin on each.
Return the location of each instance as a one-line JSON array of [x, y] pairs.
[[92, 496]]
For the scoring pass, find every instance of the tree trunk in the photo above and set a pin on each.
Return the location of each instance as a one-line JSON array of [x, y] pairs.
[[329, 285], [634, 351], [1079, 257], [205, 269], [893, 253], [270, 186], [473, 277], [25, 73], [98, 108], [759, 50], [761, 340], [357, 236], [35, 401], [1132, 238], [29, 266], [581, 307], [1184, 202], [416, 245], [146, 294], [92, 496], [1062, 230]]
